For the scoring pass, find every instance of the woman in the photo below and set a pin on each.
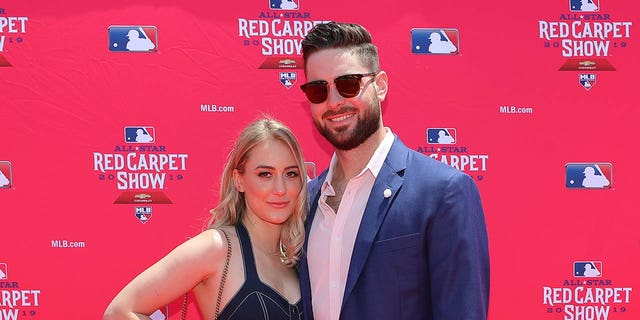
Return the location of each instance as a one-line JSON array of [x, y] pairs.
[[260, 217]]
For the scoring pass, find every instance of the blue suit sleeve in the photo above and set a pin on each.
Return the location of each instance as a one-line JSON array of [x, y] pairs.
[[458, 253]]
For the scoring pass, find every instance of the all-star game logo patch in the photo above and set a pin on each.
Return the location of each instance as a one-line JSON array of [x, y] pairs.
[[587, 80], [143, 214], [288, 79]]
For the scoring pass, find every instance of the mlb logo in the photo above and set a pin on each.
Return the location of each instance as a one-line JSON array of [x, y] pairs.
[[589, 175], [143, 214], [587, 80], [6, 175], [587, 269], [310, 167], [584, 5], [139, 134], [435, 41], [288, 79], [133, 38], [4, 271], [441, 135], [284, 4]]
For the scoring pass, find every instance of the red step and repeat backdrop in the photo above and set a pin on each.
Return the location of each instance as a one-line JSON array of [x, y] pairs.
[[116, 119]]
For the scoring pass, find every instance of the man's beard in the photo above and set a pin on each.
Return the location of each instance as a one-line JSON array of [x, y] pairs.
[[345, 139]]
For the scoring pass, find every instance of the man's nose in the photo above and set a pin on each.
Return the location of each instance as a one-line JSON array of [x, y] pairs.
[[334, 99]]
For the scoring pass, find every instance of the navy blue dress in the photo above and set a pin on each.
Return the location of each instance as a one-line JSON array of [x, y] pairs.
[[256, 300]]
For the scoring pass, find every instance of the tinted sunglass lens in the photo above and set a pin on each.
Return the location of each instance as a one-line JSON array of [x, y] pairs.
[[348, 86], [316, 93]]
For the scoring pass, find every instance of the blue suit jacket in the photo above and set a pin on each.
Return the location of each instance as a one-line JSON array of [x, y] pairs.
[[421, 253]]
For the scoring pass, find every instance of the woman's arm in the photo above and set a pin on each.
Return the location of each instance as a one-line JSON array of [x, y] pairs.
[[178, 272]]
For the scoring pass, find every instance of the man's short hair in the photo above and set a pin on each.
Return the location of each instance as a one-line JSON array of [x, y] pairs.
[[341, 35]]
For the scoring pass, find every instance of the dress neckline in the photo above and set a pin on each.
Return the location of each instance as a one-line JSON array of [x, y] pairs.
[[251, 270]]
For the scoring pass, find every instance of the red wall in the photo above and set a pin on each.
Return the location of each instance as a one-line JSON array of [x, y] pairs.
[[69, 235]]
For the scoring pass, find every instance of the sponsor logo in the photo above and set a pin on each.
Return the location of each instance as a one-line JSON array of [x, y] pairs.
[[282, 63], [587, 64], [133, 38], [587, 269], [441, 135], [587, 80], [143, 214], [596, 175], [139, 135], [584, 5], [149, 197], [435, 41], [288, 79], [284, 4]]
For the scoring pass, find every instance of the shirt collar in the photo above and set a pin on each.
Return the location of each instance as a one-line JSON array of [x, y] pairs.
[[376, 161]]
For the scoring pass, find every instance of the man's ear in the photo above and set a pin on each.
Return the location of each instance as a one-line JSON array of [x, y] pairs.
[[238, 182], [382, 85]]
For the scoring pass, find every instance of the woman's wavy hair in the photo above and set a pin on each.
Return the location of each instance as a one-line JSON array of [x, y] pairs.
[[231, 208]]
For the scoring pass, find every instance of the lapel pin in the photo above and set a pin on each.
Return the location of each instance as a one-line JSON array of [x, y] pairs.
[[387, 193]]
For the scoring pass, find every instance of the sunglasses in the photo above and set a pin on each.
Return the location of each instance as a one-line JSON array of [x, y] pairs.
[[347, 85]]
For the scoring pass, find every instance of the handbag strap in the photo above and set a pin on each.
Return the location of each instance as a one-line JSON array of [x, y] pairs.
[[223, 279], [183, 314]]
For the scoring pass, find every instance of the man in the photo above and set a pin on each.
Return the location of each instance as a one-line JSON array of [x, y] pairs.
[[391, 233]]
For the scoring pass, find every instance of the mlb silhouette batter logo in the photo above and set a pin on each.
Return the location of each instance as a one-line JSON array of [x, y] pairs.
[[441, 135], [133, 38], [435, 41], [139, 134], [6, 176], [584, 5], [4, 272], [587, 269], [588, 175], [284, 4]]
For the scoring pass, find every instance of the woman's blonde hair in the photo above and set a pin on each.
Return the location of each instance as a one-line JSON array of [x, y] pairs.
[[231, 208]]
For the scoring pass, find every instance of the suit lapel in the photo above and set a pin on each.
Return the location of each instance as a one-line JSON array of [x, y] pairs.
[[377, 207]]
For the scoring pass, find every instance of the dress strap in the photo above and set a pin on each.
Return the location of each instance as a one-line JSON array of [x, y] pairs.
[[247, 253]]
